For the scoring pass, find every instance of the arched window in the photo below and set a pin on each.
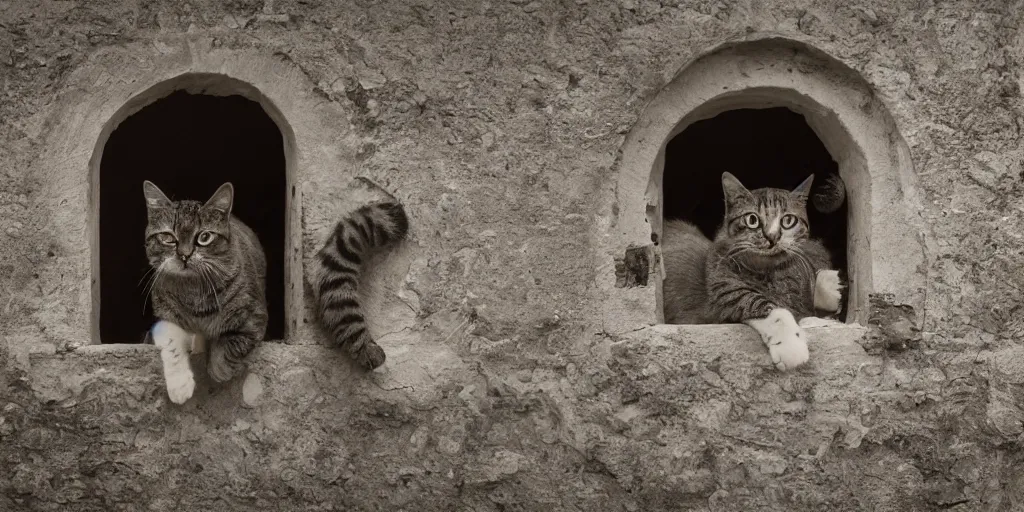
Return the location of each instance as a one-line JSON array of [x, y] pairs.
[[188, 137], [762, 147], [737, 85]]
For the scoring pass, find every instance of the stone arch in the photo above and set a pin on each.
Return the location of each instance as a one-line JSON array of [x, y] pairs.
[[205, 84], [320, 140], [885, 230]]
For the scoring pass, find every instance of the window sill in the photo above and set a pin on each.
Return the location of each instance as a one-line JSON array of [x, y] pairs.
[[739, 346]]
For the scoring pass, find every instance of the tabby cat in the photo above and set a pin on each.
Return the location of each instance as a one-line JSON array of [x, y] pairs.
[[208, 283], [762, 269]]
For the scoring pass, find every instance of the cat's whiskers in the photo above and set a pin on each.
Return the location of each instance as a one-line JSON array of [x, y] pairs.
[[734, 253], [802, 257], [213, 285], [144, 276], [154, 275], [207, 278], [217, 270]]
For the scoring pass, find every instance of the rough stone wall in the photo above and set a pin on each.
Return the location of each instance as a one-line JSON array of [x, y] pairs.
[[498, 123]]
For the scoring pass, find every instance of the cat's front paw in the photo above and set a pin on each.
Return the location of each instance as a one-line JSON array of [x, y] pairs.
[[219, 367], [827, 291], [786, 341], [789, 354], [180, 386]]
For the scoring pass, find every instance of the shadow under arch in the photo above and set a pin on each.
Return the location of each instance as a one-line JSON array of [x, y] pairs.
[[208, 86], [844, 112]]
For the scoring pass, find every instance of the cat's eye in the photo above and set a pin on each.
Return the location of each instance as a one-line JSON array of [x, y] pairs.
[[205, 238], [788, 221], [751, 220], [166, 238]]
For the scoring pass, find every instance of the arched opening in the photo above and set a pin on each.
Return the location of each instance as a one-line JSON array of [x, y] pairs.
[[188, 144], [762, 147], [886, 236]]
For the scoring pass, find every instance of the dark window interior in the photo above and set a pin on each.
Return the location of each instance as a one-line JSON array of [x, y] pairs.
[[188, 145], [773, 147]]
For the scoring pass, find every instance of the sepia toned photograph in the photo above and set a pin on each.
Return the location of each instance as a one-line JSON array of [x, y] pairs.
[[511, 255]]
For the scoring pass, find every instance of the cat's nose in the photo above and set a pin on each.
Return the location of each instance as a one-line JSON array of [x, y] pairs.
[[773, 236]]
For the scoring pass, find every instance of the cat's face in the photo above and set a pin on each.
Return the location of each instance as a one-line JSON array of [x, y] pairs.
[[188, 238], [763, 228]]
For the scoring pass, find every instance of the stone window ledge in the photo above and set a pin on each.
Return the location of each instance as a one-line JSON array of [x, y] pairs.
[[742, 347], [733, 348], [666, 414]]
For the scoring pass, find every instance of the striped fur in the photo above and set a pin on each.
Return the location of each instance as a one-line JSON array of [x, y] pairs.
[[335, 278], [746, 272], [208, 277], [828, 195]]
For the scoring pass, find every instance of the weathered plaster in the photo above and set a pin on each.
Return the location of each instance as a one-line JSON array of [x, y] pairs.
[[511, 384]]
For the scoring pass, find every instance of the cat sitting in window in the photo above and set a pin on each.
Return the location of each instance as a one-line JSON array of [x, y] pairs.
[[208, 283], [762, 269]]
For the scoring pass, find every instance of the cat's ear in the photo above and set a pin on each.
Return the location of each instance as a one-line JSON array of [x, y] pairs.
[[155, 198], [222, 199], [803, 190], [734, 190]]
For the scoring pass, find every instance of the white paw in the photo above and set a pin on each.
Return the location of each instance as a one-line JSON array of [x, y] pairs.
[[789, 354], [175, 344], [811, 322], [827, 290], [180, 386], [786, 341], [167, 334]]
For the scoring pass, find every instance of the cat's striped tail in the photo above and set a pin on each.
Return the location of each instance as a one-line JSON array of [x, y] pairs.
[[336, 282], [829, 194]]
